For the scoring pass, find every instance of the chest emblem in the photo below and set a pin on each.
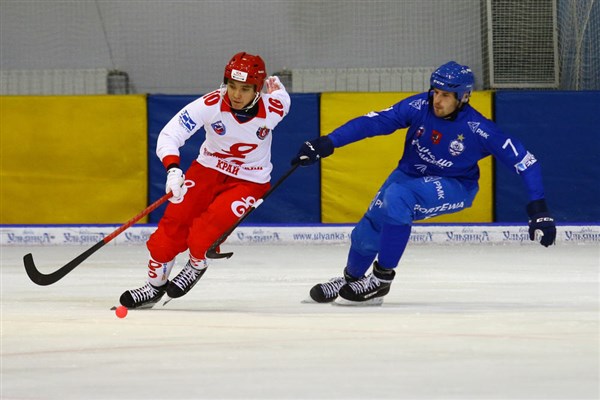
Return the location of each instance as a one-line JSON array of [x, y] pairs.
[[457, 146], [436, 136], [218, 127], [262, 132]]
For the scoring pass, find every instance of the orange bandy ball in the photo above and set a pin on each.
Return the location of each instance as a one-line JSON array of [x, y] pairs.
[[121, 311]]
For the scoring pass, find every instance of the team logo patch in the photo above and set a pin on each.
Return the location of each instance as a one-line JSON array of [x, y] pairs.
[[262, 133], [186, 121], [436, 136], [218, 127], [457, 146], [239, 207]]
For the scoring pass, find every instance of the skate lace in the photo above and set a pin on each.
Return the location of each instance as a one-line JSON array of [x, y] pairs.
[[144, 293], [186, 277], [331, 288], [365, 284]]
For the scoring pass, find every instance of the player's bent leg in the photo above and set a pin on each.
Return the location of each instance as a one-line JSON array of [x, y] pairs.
[[369, 290], [154, 289], [187, 278]]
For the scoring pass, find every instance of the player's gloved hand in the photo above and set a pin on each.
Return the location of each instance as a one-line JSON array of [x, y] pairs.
[[541, 222], [273, 84], [175, 184], [312, 151]]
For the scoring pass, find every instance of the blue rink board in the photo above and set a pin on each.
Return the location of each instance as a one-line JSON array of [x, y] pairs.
[[561, 128]]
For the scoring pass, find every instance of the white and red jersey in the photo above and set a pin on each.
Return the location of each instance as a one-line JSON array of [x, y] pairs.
[[239, 149]]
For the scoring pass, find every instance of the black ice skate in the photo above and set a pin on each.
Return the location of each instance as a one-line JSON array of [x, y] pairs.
[[369, 290], [328, 291], [145, 297], [184, 281]]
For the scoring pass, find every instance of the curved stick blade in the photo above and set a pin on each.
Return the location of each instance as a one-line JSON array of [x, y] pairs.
[[214, 255], [36, 276], [42, 279]]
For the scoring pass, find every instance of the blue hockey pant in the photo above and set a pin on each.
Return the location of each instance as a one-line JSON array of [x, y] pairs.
[[384, 230]]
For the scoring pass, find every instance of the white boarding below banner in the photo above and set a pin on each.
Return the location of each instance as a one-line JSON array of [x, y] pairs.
[[325, 234]]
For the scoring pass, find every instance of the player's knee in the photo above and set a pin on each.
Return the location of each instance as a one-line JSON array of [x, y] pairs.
[[161, 253], [398, 205], [365, 237], [200, 240]]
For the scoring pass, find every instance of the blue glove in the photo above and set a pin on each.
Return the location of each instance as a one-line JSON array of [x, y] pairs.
[[540, 220], [312, 151]]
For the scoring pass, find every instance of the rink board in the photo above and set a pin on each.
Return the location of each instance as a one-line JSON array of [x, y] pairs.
[[447, 234], [73, 159]]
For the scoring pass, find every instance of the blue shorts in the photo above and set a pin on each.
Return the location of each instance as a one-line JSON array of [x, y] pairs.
[[403, 199]]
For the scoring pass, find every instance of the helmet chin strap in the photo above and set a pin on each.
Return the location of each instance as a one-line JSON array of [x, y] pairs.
[[227, 101]]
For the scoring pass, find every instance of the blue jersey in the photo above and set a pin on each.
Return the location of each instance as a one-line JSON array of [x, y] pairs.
[[436, 146]]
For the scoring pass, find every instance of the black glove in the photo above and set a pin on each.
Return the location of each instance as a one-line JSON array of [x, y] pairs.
[[540, 220], [310, 152]]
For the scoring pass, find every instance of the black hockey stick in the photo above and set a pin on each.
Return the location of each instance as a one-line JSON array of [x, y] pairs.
[[48, 279], [212, 250]]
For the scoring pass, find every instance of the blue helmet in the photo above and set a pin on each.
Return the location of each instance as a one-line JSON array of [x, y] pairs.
[[453, 77]]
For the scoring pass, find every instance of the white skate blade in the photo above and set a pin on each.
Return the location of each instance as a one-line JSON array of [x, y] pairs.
[[340, 301], [168, 299], [308, 300]]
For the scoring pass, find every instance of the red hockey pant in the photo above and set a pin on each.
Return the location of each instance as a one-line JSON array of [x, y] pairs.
[[214, 203]]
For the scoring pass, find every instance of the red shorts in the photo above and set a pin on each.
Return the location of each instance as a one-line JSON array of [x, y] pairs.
[[211, 205]]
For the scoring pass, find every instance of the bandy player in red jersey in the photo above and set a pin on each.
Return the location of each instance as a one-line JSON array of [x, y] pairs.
[[232, 171]]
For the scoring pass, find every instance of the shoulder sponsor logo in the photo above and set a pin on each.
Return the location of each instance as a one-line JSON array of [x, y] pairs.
[[418, 103], [475, 129], [186, 121], [525, 163]]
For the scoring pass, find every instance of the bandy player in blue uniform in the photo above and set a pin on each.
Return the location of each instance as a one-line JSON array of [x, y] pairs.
[[437, 174]]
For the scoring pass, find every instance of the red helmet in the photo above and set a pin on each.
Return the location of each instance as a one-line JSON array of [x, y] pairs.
[[246, 68]]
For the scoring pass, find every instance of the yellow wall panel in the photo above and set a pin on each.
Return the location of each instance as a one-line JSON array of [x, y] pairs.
[[352, 176], [72, 159]]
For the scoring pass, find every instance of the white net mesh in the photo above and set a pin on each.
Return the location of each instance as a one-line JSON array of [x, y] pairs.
[[181, 46], [579, 33]]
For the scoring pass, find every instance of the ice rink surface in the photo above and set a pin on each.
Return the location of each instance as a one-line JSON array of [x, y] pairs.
[[461, 322]]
